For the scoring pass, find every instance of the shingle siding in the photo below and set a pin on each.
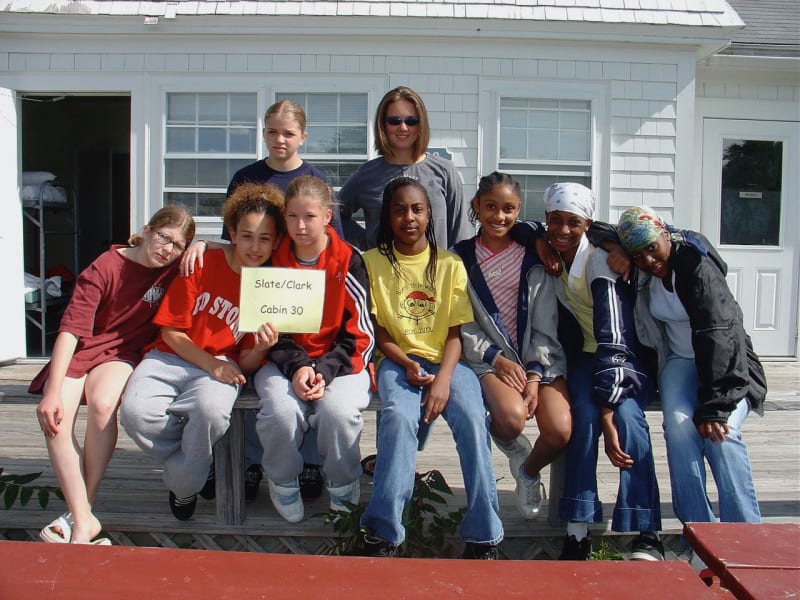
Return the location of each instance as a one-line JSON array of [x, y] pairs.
[[656, 12]]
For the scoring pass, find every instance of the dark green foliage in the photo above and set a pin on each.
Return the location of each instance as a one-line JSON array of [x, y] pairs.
[[427, 530], [18, 488]]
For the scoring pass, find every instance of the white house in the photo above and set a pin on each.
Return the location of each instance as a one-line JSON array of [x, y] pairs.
[[680, 104]]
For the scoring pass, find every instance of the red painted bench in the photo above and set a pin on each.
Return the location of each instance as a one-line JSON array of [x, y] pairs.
[[753, 561], [34, 570]]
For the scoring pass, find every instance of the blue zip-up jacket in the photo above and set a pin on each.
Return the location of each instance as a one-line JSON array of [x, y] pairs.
[[618, 374]]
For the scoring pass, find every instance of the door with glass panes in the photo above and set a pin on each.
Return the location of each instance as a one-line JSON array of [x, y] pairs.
[[751, 211]]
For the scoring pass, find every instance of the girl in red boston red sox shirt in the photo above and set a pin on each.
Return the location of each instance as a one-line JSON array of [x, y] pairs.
[[179, 399]]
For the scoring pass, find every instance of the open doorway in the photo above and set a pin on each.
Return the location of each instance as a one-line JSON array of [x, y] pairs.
[[83, 144]]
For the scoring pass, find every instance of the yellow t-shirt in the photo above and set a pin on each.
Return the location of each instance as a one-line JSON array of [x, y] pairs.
[[416, 316], [579, 296]]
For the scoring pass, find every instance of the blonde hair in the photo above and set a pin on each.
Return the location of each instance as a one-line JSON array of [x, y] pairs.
[[308, 185], [172, 215], [261, 198], [424, 131], [289, 109]]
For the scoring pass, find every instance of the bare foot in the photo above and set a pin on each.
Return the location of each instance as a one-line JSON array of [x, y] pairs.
[[85, 532]]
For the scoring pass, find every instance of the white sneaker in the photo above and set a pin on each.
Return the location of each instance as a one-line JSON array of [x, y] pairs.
[[286, 500], [529, 494], [516, 455], [349, 492]]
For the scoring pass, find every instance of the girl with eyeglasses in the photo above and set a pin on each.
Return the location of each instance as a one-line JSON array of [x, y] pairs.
[[104, 328], [402, 134]]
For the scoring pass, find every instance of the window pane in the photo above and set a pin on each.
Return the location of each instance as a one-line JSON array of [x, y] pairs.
[[513, 118], [353, 108], [322, 140], [212, 108], [513, 143], [181, 108], [323, 107], [180, 172], [211, 172], [243, 109], [543, 119], [242, 139], [574, 145], [180, 139], [352, 140], [543, 144], [211, 139], [575, 120], [752, 177]]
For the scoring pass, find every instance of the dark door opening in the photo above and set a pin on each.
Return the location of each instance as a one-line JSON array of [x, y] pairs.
[[84, 143]]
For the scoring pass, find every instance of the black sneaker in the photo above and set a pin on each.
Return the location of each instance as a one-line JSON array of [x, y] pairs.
[[369, 545], [474, 551], [576, 550], [209, 491], [252, 477], [182, 508], [311, 482], [647, 546]]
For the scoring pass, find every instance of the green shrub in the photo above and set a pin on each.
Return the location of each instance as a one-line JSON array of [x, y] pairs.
[[428, 532], [15, 488]]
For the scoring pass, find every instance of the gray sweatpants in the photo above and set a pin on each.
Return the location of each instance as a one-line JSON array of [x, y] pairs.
[[284, 419], [175, 412]]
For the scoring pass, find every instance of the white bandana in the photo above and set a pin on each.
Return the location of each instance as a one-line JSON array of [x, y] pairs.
[[570, 197]]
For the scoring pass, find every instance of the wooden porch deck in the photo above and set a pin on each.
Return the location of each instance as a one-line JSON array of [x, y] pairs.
[[132, 502]]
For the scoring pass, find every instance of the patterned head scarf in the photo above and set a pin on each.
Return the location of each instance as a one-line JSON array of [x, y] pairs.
[[570, 197], [638, 227]]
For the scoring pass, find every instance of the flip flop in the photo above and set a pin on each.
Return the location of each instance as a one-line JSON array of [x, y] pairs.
[[95, 542], [51, 535], [101, 542]]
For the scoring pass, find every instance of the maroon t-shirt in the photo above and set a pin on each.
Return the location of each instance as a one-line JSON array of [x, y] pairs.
[[111, 312]]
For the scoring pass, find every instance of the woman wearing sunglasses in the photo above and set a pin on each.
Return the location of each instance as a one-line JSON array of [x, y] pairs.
[[402, 134]]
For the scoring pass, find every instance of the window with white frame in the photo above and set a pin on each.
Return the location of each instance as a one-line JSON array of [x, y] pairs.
[[543, 141], [337, 127], [208, 137]]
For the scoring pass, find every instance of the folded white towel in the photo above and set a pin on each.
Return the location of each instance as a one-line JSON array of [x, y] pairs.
[[52, 285]]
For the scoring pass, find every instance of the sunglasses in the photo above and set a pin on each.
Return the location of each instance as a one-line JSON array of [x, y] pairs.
[[409, 121]]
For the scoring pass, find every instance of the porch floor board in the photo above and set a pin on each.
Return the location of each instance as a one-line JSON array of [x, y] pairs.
[[132, 501]]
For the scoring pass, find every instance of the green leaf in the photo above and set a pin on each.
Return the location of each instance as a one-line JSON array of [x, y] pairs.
[[25, 495], [44, 497], [10, 495], [27, 478]]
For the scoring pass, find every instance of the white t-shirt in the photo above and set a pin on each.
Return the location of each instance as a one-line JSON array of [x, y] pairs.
[[667, 308]]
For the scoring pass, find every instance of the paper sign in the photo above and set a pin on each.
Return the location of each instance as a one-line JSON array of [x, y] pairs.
[[292, 299]]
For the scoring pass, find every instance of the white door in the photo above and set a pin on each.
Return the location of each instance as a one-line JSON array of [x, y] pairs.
[[751, 212], [12, 305]]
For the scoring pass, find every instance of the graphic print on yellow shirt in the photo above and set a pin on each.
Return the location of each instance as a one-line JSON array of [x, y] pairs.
[[417, 316], [416, 305]]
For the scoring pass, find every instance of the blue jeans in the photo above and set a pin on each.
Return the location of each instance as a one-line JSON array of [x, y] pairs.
[[638, 506], [686, 451], [397, 447]]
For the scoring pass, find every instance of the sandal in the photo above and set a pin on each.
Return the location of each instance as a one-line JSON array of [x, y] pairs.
[[50, 533], [95, 542]]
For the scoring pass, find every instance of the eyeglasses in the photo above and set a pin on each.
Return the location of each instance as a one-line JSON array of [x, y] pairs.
[[164, 240], [409, 121]]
